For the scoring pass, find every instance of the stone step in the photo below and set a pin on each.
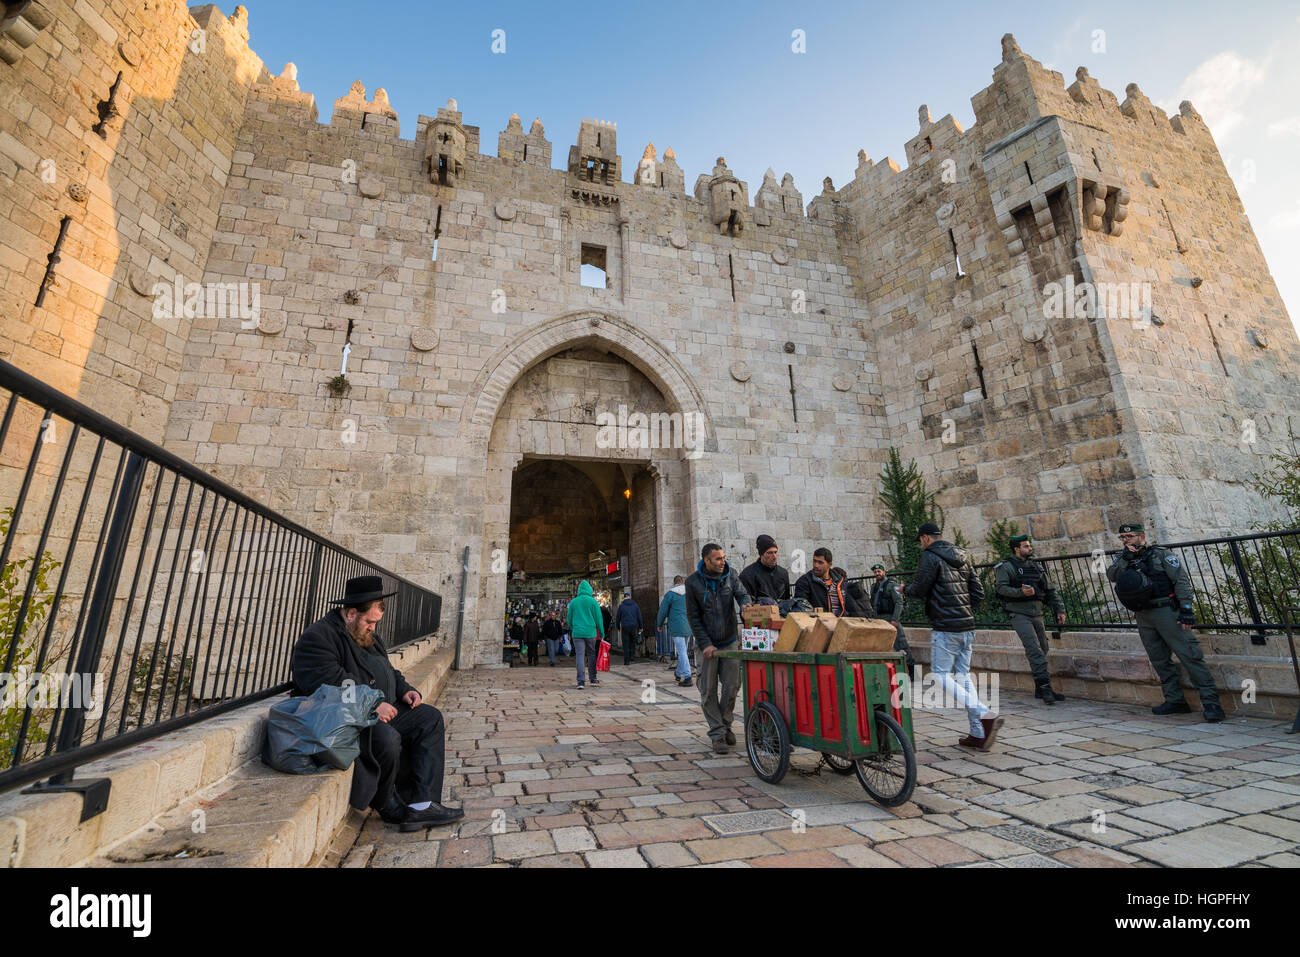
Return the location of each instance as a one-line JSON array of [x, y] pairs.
[[169, 773], [257, 816]]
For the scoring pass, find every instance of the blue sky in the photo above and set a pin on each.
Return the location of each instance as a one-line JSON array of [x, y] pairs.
[[720, 79]]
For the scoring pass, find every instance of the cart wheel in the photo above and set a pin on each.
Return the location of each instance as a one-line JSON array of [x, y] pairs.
[[838, 764], [767, 740], [889, 775]]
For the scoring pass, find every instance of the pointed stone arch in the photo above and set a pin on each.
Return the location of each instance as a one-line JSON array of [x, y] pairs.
[[573, 330]]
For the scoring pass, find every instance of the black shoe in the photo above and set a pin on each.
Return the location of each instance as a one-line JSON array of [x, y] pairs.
[[1214, 713], [1179, 707], [432, 816], [685, 682], [1045, 694], [394, 814], [730, 737]]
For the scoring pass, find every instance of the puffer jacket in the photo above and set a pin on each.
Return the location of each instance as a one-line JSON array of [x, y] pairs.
[[949, 585], [709, 606]]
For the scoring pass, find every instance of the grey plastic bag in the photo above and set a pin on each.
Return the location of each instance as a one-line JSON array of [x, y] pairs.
[[305, 735]]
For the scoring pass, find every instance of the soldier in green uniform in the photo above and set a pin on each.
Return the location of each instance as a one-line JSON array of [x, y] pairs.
[[1153, 583], [1024, 589], [886, 603]]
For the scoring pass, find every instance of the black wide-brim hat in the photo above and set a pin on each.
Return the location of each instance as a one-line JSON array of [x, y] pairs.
[[360, 590]]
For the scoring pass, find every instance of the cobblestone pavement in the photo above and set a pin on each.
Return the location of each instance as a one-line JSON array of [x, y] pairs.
[[597, 778]]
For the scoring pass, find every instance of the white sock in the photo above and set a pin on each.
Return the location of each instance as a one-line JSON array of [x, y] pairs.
[[420, 805]]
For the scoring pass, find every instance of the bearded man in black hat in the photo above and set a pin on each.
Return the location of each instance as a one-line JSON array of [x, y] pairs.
[[342, 647]]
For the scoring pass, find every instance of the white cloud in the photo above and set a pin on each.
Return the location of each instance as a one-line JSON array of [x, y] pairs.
[[1286, 221], [1287, 127], [1220, 89]]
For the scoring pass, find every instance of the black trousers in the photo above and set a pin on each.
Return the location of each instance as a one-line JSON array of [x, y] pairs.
[[532, 651], [629, 643], [410, 751]]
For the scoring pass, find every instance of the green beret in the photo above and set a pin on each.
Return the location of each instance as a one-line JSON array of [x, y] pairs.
[[1131, 527], [1017, 539], [874, 567]]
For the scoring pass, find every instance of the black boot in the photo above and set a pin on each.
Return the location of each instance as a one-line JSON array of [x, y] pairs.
[[1176, 707], [1044, 692]]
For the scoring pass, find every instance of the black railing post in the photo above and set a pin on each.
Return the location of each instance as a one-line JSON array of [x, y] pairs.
[[94, 793], [460, 610], [1257, 638]]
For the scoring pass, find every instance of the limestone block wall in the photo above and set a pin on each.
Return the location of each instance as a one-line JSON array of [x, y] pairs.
[[436, 345], [1071, 424], [166, 87]]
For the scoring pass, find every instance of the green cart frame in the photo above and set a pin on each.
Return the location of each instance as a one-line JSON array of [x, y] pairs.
[[847, 706]]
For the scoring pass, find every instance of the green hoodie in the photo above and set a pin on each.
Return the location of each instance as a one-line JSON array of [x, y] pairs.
[[584, 614]]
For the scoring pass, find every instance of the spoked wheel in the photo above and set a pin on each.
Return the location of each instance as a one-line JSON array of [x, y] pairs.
[[838, 764], [767, 740], [889, 775]]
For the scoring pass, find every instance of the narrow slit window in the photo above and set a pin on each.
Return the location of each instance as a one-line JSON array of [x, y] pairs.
[[979, 370], [593, 268], [1028, 173], [731, 268], [952, 238]]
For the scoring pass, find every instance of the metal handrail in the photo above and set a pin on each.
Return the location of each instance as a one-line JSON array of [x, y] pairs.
[[1232, 582], [181, 595]]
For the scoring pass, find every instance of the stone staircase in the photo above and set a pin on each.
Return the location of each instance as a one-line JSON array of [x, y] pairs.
[[199, 797]]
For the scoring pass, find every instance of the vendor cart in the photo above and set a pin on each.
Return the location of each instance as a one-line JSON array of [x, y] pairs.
[[847, 706]]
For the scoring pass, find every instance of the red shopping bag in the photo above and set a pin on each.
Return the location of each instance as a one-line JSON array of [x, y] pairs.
[[602, 656]]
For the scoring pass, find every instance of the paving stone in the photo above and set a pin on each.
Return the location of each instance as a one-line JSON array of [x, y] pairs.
[[1246, 800], [625, 857], [670, 854], [1279, 827], [1031, 860], [1178, 815], [748, 822], [1217, 845], [1139, 794], [812, 858], [986, 845], [1060, 810], [733, 848], [554, 860], [573, 839], [858, 855], [512, 847]]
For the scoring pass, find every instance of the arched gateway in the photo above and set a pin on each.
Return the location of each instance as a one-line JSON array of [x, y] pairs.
[[588, 429]]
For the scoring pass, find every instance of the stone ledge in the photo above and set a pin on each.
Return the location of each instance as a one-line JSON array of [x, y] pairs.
[[169, 777], [1098, 666]]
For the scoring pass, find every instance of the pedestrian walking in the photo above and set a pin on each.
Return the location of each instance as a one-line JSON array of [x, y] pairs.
[[586, 629], [1153, 584], [533, 636], [629, 624], [672, 620], [1024, 589], [551, 634], [710, 593], [951, 590]]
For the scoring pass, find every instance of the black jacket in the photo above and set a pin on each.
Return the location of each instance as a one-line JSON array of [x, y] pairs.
[[813, 590], [763, 582], [885, 602], [949, 585], [709, 608], [325, 654]]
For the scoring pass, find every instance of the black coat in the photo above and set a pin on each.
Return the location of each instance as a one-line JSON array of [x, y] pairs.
[[813, 590], [763, 582], [325, 654], [949, 585], [709, 608]]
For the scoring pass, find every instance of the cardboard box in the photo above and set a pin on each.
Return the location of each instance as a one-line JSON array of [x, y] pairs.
[[758, 639], [815, 640], [862, 634], [796, 623], [762, 616]]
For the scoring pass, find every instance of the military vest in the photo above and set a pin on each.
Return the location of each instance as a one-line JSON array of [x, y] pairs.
[[1026, 573]]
